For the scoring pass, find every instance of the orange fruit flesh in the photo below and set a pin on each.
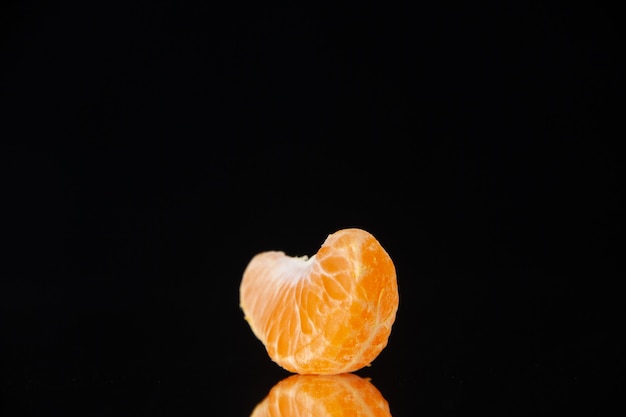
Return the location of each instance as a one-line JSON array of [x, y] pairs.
[[328, 314], [323, 395]]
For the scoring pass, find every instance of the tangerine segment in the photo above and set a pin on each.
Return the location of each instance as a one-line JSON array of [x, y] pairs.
[[328, 314], [323, 395]]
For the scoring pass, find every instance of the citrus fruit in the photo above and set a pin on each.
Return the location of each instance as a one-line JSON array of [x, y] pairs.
[[331, 313], [323, 395]]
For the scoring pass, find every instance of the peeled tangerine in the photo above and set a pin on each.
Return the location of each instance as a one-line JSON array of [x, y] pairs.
[[328, 314]]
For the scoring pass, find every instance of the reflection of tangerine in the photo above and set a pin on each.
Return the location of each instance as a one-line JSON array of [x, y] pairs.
[[323, 395], [328, 314]]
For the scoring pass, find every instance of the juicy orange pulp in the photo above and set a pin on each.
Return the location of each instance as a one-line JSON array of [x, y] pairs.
[[328, 314], [323, 395]]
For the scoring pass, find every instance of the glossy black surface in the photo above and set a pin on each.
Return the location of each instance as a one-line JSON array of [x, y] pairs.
[[150, 149]]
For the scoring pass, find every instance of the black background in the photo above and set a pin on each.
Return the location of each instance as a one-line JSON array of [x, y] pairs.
[[150, 149]]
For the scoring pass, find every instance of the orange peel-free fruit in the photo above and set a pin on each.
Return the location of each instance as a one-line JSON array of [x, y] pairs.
[[331, 313], [323, 395]]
